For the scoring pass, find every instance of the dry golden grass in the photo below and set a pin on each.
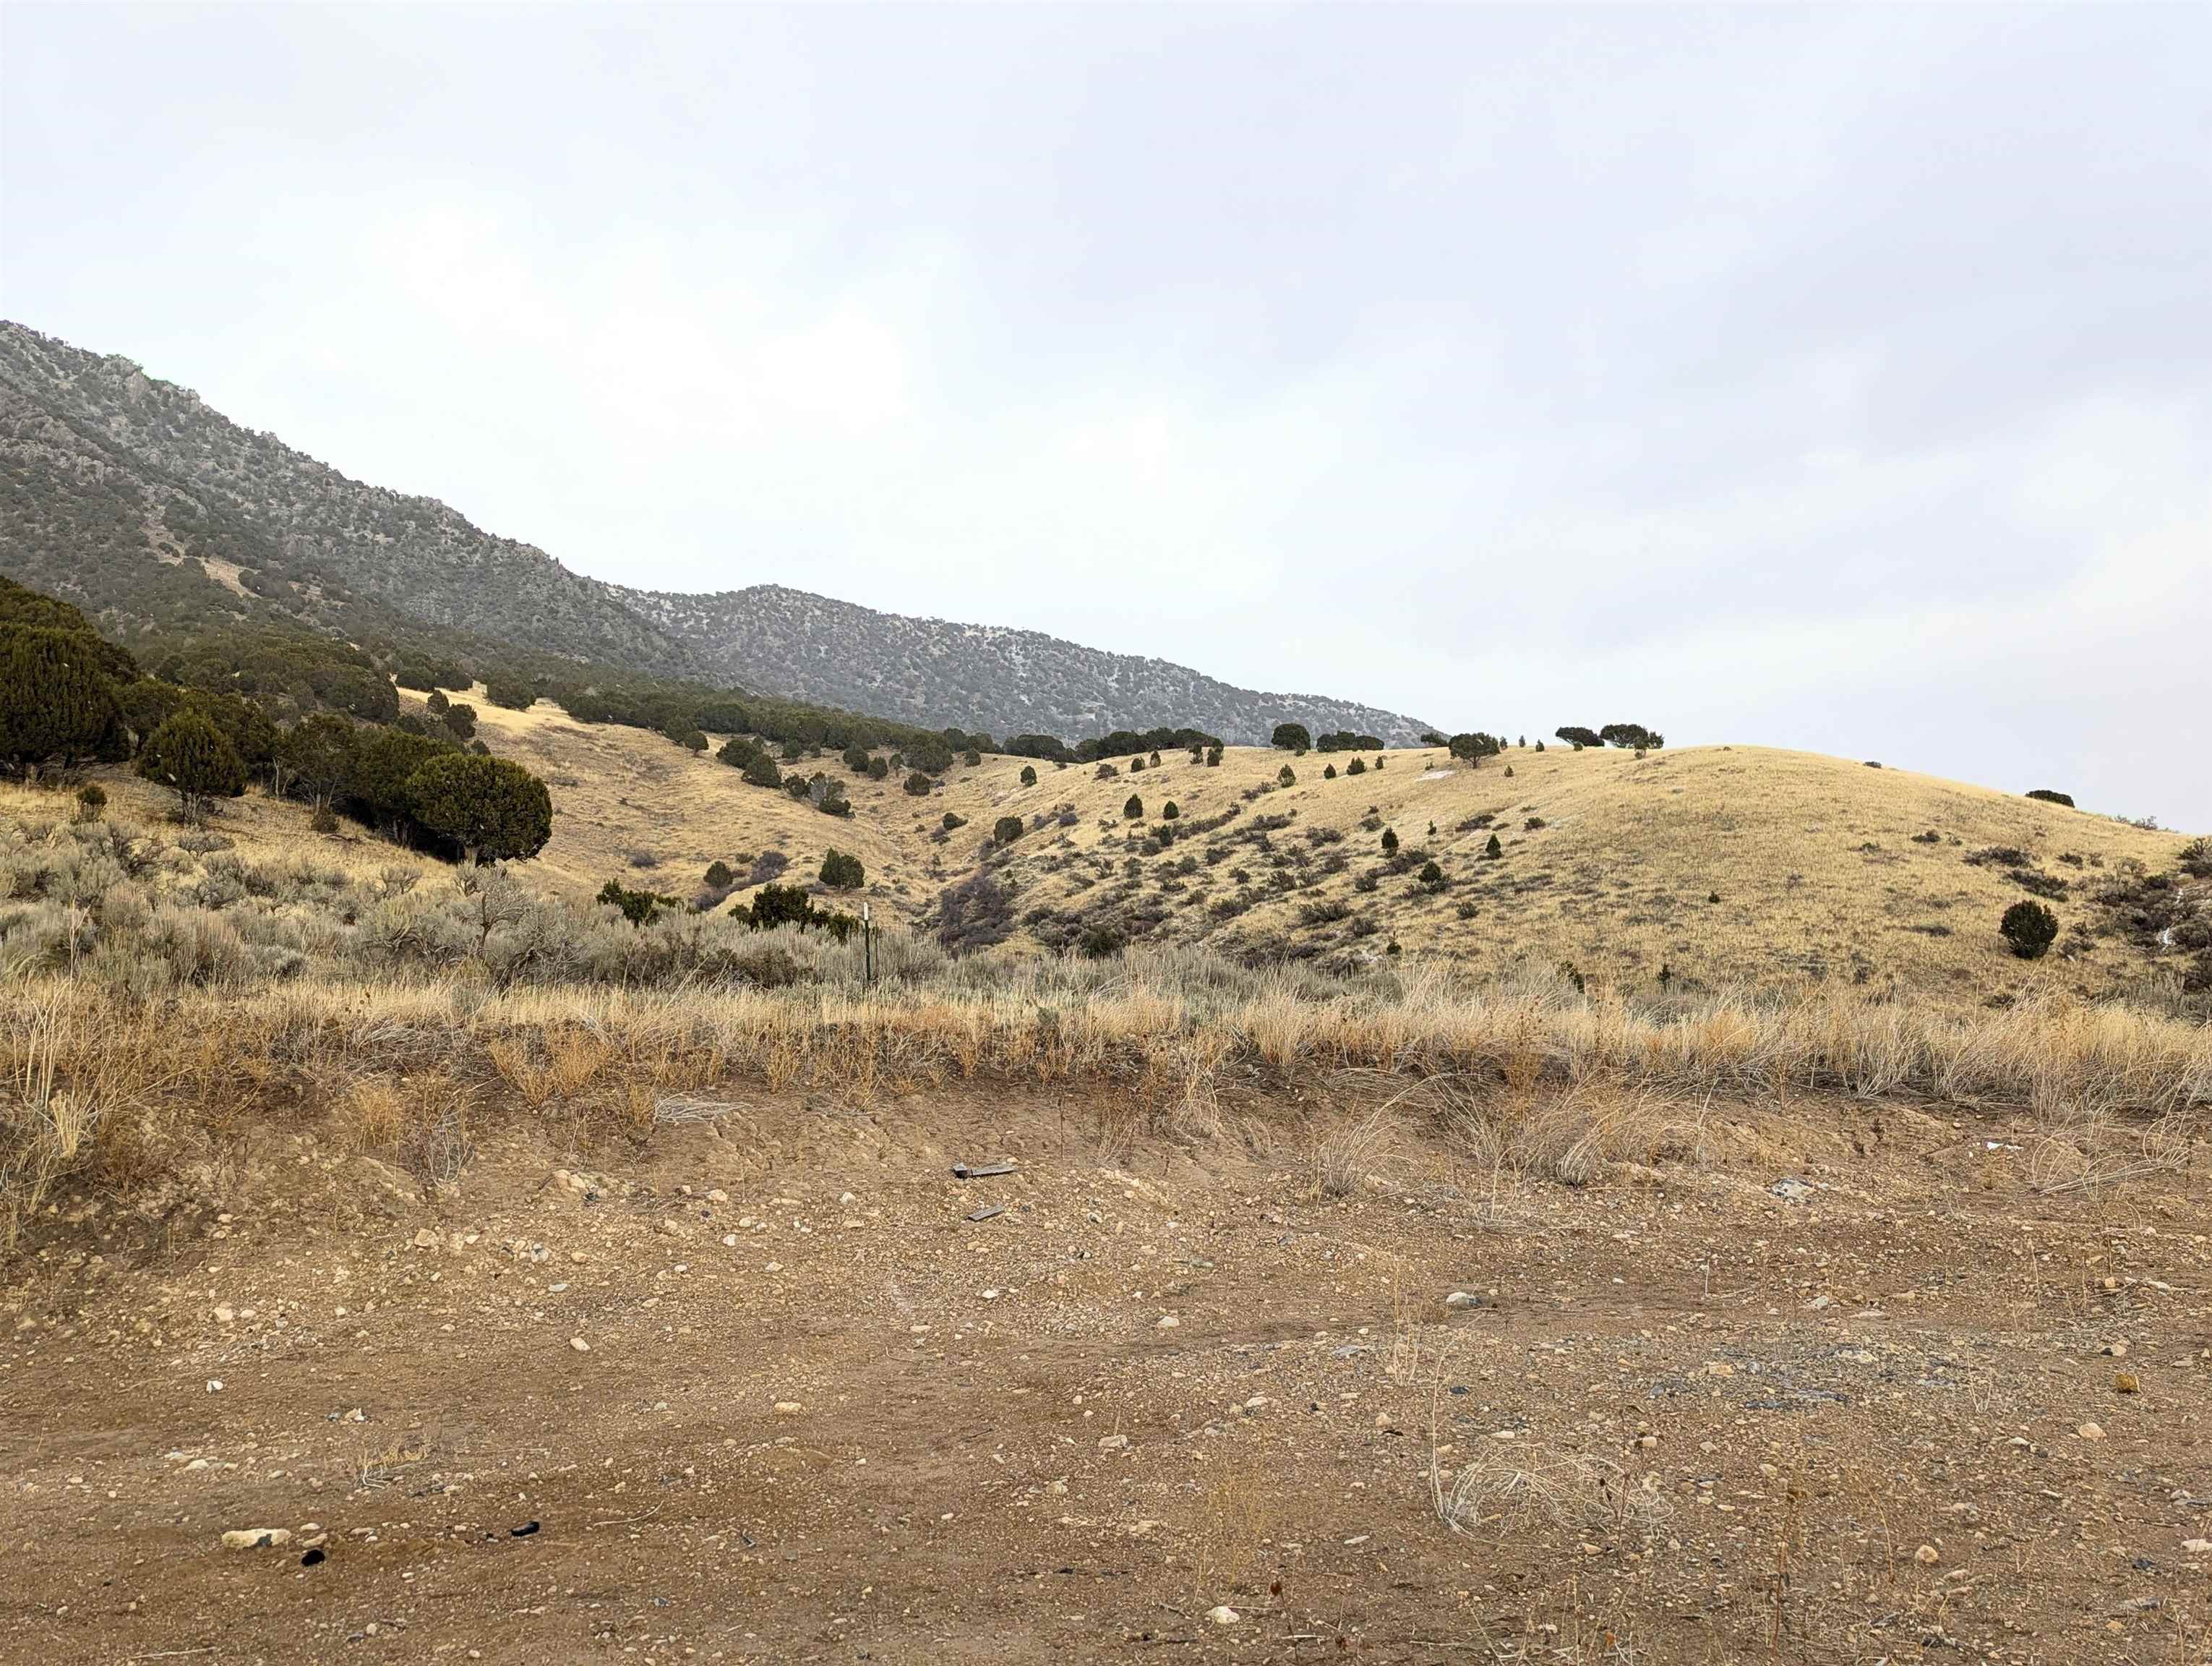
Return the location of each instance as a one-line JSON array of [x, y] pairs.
[[1597, 1082], [1616, 881], [1813, 858]]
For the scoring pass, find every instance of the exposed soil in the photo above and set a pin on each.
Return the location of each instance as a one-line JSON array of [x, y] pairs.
[[868, 1428]]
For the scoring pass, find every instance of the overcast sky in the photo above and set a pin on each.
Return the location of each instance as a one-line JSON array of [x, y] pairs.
[[1815, 377]]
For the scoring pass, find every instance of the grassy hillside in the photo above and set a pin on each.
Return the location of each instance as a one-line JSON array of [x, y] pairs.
[[1724, 865]]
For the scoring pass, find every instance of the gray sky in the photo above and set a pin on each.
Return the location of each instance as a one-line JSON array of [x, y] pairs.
[[1815, 377]]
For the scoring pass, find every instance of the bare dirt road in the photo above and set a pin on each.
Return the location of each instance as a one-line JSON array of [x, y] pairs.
[[761, 1388]]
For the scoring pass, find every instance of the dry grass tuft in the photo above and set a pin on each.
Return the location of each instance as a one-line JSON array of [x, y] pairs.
[[1509, 1487]]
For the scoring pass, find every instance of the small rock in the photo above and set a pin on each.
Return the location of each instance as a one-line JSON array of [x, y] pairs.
[[2198, 1547], [1167, 1322], [1926, 1555], [1464, 1298], [2128, 1382], [256, 1538], [1114, 1443], [1790, 1189], [788, 1409], [718, 1196], [579, 1345], [425, 1239], [1221, 1615], [2090, 1431]]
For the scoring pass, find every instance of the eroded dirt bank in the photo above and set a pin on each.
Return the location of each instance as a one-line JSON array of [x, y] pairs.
[[766, 1391]]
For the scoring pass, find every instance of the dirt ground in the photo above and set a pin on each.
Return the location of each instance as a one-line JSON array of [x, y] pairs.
[[762, 1388]]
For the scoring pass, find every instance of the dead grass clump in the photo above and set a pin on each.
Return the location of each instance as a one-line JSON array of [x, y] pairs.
[[1510, 1488], [65, 1071], [557, 1063], [1342, 1158]]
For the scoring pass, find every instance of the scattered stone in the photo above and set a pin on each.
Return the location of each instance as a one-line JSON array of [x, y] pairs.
[[425, 1239], [788, 1409], [1465, 1299], [2090, 1431], [1221, 1615], [579, 1345], [1790, 1189], [1167, 1322], [1114, 1443], [1927, 1555], [2128, 1382]]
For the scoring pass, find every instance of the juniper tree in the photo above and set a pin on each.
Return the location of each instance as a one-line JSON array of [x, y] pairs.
[[488, 805], [318, 753], [193, 758], [56, 702]]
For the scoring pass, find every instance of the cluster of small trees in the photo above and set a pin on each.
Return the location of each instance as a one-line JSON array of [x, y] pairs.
[[1626, 735], [67, 696], [1294, 738]]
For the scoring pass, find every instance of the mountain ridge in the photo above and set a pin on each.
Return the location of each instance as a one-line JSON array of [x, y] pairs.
[[113, 474]]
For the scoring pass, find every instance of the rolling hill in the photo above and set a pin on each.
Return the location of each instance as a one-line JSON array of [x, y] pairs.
[[1701, 869], [131, 497]]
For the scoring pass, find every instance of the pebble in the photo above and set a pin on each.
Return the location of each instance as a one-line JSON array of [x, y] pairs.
[[2128, 1382], [425, 1239], [579, 1345], [1463, 1298], [2090, 1431], [1114, 1443], [1167, 1322], [1926, 1555], [1221, 1615], [788, 1409]]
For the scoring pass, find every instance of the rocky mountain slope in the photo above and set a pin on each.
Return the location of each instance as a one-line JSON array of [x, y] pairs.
[[1006, 682], [133, 498]]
